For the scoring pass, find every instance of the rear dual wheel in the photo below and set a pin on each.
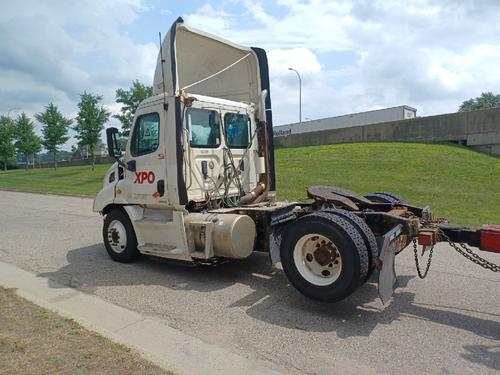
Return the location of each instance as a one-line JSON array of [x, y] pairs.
[[385, 197], [317, 259], [366, 233], [325, 256]]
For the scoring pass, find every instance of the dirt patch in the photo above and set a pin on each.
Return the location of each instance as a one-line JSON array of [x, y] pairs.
[[37, 341]]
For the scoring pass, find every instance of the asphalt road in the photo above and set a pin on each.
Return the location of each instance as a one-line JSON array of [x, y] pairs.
[[447, 324]]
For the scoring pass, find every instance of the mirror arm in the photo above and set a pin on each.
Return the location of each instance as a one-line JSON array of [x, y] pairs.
[[124, 165]]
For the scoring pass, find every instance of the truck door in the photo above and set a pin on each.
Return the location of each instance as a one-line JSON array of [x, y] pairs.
[[145, 149], [205, 150]]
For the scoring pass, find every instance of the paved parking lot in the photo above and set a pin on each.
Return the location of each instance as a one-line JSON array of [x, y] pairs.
[[448, 323]]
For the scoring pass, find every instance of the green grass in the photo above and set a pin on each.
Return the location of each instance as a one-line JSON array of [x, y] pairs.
[[458, 183], [67, 180]]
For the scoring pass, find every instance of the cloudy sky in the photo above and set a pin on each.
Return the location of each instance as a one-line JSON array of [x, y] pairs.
[[353, 55]]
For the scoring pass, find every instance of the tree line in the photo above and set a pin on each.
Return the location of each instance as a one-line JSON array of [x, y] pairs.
[[483, 101], [18, 135]]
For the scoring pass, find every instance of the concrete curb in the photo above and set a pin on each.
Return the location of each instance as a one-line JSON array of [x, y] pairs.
[[169, 348]]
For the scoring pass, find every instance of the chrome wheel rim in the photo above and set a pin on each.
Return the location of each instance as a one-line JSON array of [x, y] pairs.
[[317, 259], [117, 236]]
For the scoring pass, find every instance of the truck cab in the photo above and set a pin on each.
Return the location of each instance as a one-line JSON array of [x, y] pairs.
[[198, 150], [216, 135]]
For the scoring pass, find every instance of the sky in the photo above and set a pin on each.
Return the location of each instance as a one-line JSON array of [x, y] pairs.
[[352, 55]]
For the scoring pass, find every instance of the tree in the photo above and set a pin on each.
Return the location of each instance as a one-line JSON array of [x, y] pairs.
[[485, 100], [55, 129], [7, 135], [27, 142], [90, 122], [130, 100]]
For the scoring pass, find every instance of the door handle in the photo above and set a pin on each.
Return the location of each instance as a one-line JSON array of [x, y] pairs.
[[160, 187]]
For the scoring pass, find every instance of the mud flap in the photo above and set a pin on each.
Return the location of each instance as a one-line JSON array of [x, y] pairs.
[[387, 280], [277, 227]]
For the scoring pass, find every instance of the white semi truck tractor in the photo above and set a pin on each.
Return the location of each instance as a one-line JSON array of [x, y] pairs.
[[196, 183]]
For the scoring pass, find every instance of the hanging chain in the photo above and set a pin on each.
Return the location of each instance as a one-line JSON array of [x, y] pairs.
[[460, 248], [429, 260], [464, 250]]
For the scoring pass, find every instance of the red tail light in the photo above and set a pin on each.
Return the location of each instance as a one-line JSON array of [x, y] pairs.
[[490, 238], [427, 237]]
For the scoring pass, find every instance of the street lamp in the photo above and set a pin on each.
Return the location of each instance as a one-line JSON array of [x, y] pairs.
[[300, 94]]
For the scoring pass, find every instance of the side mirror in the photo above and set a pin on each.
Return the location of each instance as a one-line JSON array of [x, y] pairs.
[[113, 146]]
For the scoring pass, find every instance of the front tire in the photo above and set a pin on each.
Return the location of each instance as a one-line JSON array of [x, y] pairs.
[[324, 257], [119, 237]]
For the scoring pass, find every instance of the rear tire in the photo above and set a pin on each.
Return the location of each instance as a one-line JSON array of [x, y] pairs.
[[366, 233], [324, 257], [384, 197], [119, 237]]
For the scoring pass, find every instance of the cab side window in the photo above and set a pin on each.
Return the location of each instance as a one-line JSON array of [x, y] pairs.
[[237, 130], [204, 127], [146, 135]]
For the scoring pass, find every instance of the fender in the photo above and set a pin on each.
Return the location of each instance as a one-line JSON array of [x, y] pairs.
[[135, 213]]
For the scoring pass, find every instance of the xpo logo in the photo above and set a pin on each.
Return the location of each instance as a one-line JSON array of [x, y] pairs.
[[142, 177]]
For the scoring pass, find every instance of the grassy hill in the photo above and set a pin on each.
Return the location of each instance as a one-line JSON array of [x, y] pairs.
[[460, 184]]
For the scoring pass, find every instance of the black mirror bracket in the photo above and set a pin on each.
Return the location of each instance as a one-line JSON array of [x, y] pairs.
[[131, 166], [122, 164]]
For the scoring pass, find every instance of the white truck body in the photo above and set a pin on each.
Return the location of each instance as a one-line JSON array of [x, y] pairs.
[[184, 143]]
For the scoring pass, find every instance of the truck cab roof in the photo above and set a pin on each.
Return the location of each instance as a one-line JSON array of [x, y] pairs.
[[217, 102]]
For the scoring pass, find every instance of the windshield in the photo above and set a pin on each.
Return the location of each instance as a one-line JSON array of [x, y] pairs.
[[237, 130]]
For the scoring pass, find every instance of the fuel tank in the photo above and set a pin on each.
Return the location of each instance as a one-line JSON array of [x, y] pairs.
[[229, 235]]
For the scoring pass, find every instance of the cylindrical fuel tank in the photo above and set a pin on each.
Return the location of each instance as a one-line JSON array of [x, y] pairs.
[[232, 236]]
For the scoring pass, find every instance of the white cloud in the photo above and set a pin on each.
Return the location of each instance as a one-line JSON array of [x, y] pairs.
[[301, 59], [53, 51], [211, 20], [428, 54]]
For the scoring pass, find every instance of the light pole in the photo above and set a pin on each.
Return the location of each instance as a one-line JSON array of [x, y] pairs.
[[300, 94]]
